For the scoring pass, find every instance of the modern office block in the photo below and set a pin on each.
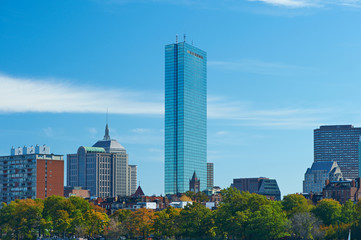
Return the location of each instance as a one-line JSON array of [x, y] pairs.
[[338, 143], [210, 175], [316, 176], [102, 168], [185, 116], [26, 174], [264, 186]]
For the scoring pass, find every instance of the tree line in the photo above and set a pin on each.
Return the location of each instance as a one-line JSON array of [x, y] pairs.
[[242, 216]]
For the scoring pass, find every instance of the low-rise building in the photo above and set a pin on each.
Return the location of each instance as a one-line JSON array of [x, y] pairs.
[[76, 191], [316, 176], [264, 186], [180, 204], [343, 190], [147, 205]]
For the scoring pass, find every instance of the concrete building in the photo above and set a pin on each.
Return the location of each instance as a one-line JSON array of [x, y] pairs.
[[31, 173], [339, 143], [343, 190], [210, 175], [185, 116], [103, 169], [316, 176], [132, 178], [264, 186]]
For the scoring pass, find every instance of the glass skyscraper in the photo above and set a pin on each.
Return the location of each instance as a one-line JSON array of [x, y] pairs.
[[185, 117]]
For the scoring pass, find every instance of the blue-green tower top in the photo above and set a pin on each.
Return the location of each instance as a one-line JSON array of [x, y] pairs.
[[185, 116]]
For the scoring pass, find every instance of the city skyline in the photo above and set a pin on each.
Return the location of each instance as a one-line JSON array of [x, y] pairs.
[[277, 70]]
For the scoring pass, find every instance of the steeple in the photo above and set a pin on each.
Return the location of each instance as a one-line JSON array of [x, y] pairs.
[[194, 178], [106, 136]]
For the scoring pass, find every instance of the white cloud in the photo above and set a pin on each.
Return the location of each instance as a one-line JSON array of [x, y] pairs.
[[311, 3], [141, 130], [244, 113], [237, 5], [350, 3], [49, 95], [48, 131], [221, 133], [256, 66], [29, 95], [93, 130], [286, 3]]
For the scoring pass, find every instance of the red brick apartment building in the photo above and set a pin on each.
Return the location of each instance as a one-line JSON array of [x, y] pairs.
[[31, 172], [343, 190]]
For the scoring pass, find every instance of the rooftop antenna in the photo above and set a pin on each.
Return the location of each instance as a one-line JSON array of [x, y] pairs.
[[192, 42], [184, 36], [106, 118], [176, 38]]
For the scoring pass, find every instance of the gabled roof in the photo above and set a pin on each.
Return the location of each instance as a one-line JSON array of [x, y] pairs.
[[138, 193], [319, 166]]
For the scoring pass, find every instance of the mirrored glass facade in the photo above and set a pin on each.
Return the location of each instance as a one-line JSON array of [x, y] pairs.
[[185, 117]]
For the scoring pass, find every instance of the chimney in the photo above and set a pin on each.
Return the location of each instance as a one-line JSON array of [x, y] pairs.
[[327, 182]]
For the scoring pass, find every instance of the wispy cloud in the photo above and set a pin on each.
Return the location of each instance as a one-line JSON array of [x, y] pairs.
[[258, 67], [50, 95], [287, 3], [237, 5], [48, 131], [311, 3], [245, 113], [141, 130], [350, 3], [55, 96]]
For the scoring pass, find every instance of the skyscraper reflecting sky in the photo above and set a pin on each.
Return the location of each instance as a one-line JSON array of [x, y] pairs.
[[185, 116]]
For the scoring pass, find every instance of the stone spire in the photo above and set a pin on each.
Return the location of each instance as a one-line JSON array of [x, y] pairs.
[[106, 136]]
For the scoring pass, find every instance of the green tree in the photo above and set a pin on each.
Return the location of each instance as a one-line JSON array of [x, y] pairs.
[[121, 214], [338, 231], [61, 222], [201, 197], [95, 221], [190, 194], [356, 226], [140, 223], [305, 226], [57, 211], [166, 223], [245, 215], [295, 203], [197, 222], [347, 212], [23, 218], [328, 211], [267, 222]]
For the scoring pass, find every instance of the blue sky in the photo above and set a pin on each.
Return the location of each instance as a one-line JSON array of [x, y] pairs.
[[277, 69]]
